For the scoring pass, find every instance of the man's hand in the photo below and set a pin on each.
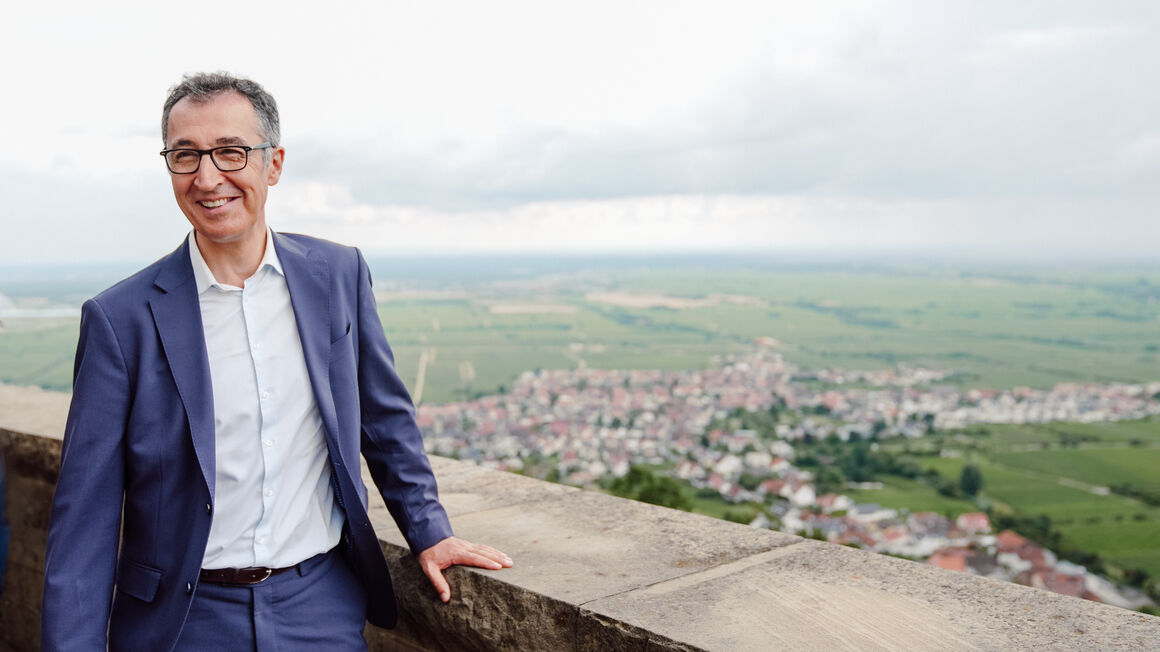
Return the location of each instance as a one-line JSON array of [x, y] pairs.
[[452, 551]]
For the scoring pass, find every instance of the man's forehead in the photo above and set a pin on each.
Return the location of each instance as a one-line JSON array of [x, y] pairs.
[[224, 140], [229, 117]]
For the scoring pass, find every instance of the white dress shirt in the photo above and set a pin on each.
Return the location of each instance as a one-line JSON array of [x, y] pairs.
[[274, 504]]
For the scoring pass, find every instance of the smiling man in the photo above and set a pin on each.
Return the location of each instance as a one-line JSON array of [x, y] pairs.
[[210, 493]]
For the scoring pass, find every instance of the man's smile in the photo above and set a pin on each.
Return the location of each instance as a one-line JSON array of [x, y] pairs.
[[214, 203]]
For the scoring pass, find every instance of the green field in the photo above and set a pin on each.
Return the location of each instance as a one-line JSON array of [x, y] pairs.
[[1035, 493], [903, 494], [1000, 329], [32, 353], [1096, 466], [1013, 436], [1068, 484], [1061, 470], [1034, 330]]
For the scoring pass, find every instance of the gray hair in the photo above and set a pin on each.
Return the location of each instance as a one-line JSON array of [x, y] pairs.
[[203, 86]]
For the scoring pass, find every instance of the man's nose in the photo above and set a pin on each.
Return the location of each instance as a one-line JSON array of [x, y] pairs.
[[207, 175]]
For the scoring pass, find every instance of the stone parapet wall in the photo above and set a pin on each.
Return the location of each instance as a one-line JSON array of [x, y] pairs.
[[594, 572], [32, 463], [30, 481]]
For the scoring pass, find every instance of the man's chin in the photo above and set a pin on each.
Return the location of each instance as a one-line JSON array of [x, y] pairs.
[[223, 234]]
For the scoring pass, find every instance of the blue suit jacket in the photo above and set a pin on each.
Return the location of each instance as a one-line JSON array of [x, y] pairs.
[[138, 455]]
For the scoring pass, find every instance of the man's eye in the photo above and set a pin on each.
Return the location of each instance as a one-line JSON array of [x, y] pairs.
[[184, 156], [231, 154]]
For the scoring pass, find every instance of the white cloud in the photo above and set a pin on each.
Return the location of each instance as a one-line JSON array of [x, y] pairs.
[[500, 125], [713, 223]]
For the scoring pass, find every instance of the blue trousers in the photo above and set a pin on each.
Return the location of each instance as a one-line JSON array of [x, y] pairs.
[[319, 606]]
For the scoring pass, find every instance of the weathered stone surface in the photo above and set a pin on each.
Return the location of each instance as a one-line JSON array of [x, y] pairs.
[[30, 457], [32, 409], [465, 488], [386, 640], [569, 549], [25, 584], [19, 627], [485, 613], [20, 607], [584, 546], [818, 596], [27, 548], [24, 504]]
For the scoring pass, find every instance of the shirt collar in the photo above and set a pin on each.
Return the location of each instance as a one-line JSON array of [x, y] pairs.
[[205, 278]]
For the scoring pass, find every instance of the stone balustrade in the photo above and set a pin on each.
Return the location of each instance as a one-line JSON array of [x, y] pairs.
[[594, 572]]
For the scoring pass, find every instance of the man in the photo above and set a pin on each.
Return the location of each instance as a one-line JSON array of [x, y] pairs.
[[210, 494]]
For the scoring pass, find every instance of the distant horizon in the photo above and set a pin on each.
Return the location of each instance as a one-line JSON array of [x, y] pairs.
[[20, 283], [777, 257]]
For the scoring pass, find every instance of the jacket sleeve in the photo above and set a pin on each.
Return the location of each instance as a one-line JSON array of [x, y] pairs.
[[86, 514], [391, 441]]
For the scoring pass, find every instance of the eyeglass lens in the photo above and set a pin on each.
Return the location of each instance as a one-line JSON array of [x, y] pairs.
[[227, 159]]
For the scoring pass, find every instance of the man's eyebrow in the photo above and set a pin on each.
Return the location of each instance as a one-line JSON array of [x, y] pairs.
[[224, 140]]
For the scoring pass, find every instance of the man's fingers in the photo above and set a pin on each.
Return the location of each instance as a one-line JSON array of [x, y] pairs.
[[437, 580], [487, 552], [451, 551], [481, 561], [470, 554], [497, 555]]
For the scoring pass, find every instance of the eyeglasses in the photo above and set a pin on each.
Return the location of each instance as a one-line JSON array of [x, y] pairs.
[[228, 158]]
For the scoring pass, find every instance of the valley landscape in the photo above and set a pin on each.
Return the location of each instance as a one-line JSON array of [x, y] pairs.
[[882, 382]]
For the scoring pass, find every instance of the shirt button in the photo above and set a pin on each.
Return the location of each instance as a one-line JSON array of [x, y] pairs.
[[269, 492], [261, 539], [268, 442], [265, 394]]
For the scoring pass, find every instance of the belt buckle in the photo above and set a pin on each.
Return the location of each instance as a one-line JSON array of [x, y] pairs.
[[269, 572]]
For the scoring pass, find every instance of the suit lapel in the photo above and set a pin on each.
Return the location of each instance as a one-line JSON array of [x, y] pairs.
[[177, 314], [308, 279]]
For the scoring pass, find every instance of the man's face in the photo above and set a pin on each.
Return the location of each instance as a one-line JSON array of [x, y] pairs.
[[223, 207]]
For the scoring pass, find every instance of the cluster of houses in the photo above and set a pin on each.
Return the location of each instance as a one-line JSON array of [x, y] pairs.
[[966, 544], [595, 422], [914, 411], [587, 424]]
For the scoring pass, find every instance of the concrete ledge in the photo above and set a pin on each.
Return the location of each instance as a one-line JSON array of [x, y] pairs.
[[571, 548], [596, 572]]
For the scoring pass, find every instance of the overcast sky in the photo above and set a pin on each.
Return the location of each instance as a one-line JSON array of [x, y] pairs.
[[968, 128]]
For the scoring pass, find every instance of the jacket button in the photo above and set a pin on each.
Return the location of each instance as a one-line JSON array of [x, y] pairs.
[[188, 587], [208, 508]]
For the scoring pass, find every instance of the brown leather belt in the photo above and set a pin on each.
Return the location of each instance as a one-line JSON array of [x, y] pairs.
[[241, 576]]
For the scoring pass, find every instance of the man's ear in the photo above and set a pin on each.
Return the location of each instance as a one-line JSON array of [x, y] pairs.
[[274, 169]]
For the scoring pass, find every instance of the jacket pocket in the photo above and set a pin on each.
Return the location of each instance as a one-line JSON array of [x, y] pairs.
[[343, 346], [341, 337], [138, 580]]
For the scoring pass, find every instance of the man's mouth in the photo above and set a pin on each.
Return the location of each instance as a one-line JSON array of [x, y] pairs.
[[214, 203]]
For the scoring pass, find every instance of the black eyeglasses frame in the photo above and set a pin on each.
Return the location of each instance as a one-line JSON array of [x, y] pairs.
[[202, 152]]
